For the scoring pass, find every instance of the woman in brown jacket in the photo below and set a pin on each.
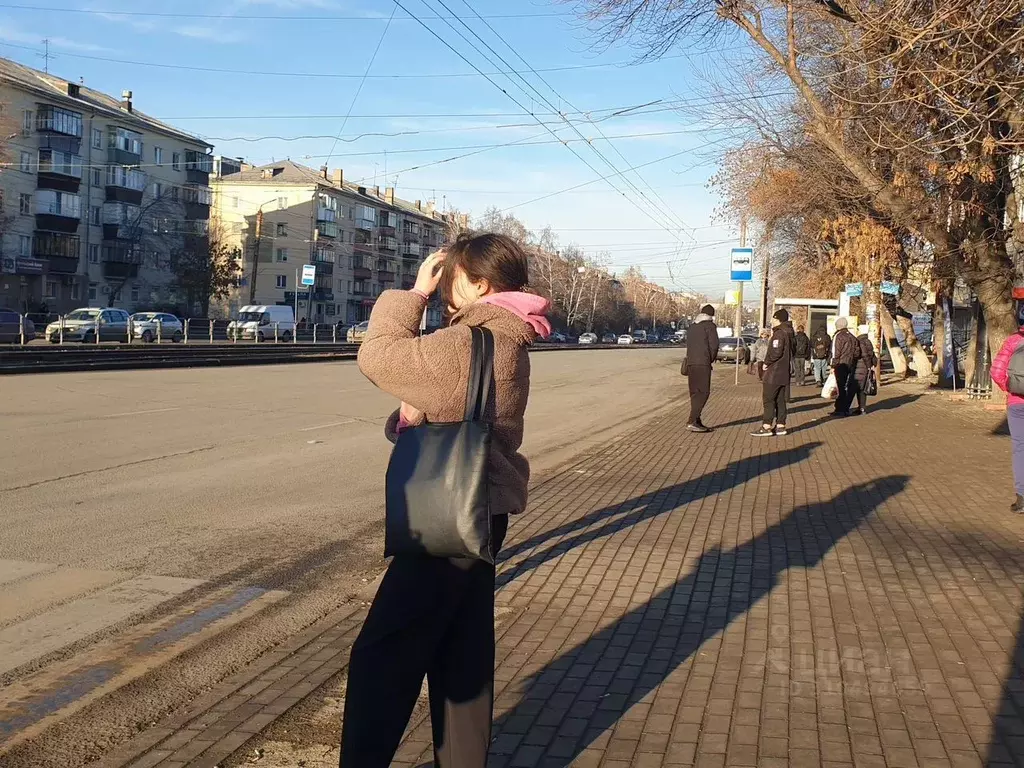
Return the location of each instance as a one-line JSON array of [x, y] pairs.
[[434, 617]]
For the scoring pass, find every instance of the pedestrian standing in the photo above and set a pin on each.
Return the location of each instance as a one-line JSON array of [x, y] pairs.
[[776, 377], [864, 371], [701, 354], [787, 326], [761, 351], [845, 353], [1002, 368], [433, 616], [821, 355], [801, 354]]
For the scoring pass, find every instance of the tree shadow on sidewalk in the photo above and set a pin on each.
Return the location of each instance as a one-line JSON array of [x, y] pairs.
[[585, 690], [632, 511], [1007, 744]]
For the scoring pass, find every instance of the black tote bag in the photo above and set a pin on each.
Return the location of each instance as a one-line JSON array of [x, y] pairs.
[[436, 489]]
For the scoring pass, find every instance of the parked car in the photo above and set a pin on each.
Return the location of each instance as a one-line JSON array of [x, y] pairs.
[[625, 340], [557, 337], [150, 326], [87, 325], [263, 322], [609, 338], [11, 325], [679, 337], [640, 336], [730, 348], [357, 333], [587, 338]]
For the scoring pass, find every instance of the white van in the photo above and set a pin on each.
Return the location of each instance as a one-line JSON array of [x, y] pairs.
[[259, 322]]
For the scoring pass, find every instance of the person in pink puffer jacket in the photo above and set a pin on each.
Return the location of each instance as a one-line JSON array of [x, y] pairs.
[[1014, 413]]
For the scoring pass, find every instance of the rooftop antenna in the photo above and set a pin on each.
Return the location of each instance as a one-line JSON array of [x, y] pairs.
[[46, 55]]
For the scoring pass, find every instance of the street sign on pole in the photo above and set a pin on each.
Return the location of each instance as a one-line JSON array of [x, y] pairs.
[[855, 289], [741, 267], [308, 274], [890, 288]]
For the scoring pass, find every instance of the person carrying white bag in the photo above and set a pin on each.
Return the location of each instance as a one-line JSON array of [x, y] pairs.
[[831, 388]]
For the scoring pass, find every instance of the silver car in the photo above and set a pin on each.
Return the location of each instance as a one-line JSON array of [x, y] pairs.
[[151, 326], [89, 325]]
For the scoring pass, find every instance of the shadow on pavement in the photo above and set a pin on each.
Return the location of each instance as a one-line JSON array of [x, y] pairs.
[[1002, 428], [632, 511], [586, 689], [1008, 724]]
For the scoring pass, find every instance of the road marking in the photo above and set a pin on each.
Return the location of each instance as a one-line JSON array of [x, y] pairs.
[[138, 413], [39, 592], [325, 426], [12, 570], [64, 625]]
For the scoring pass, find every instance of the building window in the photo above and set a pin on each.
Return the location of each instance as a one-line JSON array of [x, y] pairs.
[[282, 254], [51, 289], [26, 122], [158, 190], [176, 161], [135, 293], [26, 162], [97, 177], [92, 291], [94, 215], [126, 141], [94, 252], [74, 291], [158, 155], [25, 204], [126, 178], [55, 203], [24, 246], [282, 230], [282, 281], [282, 203], [97, 138]]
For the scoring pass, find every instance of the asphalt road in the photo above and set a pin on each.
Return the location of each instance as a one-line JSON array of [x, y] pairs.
[[163, 528]]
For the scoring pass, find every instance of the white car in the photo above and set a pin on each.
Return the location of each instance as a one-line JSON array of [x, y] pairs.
[[150, 326], [357, 333], [625, 340], [587, 338]]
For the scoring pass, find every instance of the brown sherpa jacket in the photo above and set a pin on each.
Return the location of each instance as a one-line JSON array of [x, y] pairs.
[[431, 373]]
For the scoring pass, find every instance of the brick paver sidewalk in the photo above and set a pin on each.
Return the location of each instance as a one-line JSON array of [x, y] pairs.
[[848, 595]]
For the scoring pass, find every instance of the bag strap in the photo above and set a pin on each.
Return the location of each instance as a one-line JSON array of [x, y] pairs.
[[481, 373]]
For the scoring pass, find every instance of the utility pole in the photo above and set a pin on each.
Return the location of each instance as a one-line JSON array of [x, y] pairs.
[[764, 278], [256, 256], [739, 300]]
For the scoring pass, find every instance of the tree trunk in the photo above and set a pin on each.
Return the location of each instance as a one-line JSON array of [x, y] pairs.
[[992, 282], [938, 335], [899, 360], [922, 363]]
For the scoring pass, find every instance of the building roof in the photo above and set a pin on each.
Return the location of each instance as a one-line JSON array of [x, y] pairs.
[[288, 172], [53, 88]]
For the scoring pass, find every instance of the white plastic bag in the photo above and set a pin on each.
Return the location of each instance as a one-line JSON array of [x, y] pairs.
[[831, 388]]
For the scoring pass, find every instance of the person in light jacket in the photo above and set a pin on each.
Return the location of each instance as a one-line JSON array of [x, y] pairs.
[[760, 351], [434, 617], [1014, 412]]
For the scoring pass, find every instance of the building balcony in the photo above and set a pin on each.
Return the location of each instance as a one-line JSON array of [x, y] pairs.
[[324, 267], [364, 225], [385, 277], [63, 122], [59, 265], [387, 244], [361, 273], [360, 292], [58, 211], [120, 260], [59, 170], [327, 229], [362, 249], [385, 231], [411, 235], [119, 156], [198, 167], [411, 251], [197, 211], [58, 245], [326, 214]]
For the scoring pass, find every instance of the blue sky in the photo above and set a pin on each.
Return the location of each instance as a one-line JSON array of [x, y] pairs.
[[296, 75]]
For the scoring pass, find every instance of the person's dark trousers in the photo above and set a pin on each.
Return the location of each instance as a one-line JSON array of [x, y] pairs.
[[774, 396], [844, 398], [699, 378], [432, 617], [862, 398], [800, 375]]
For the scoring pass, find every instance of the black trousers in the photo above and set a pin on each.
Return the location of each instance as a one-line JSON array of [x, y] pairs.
[[774, 396], [432, 617], [800, 374], [846, 384], [699, 378], [862, 397]]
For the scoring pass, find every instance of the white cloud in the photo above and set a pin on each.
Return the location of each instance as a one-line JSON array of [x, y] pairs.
[[211, 33]]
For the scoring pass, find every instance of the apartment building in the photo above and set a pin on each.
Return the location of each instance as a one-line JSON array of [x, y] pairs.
[[284, 215], [99, 199]]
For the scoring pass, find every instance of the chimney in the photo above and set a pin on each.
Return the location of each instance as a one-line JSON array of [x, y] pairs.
[[389, 195], [419, 205], [339, 177], [126, 101], [323, 172], [376, 192], [430, 207]]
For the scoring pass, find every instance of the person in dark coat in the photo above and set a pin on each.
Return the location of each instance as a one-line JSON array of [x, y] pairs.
[[775, 381], [865, 365], [801, 354], [845, 354], [701, 354]]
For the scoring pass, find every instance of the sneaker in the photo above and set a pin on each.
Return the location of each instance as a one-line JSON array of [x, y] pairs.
[[780, 431], [1018, 505], [698, 428], [763, 432]]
